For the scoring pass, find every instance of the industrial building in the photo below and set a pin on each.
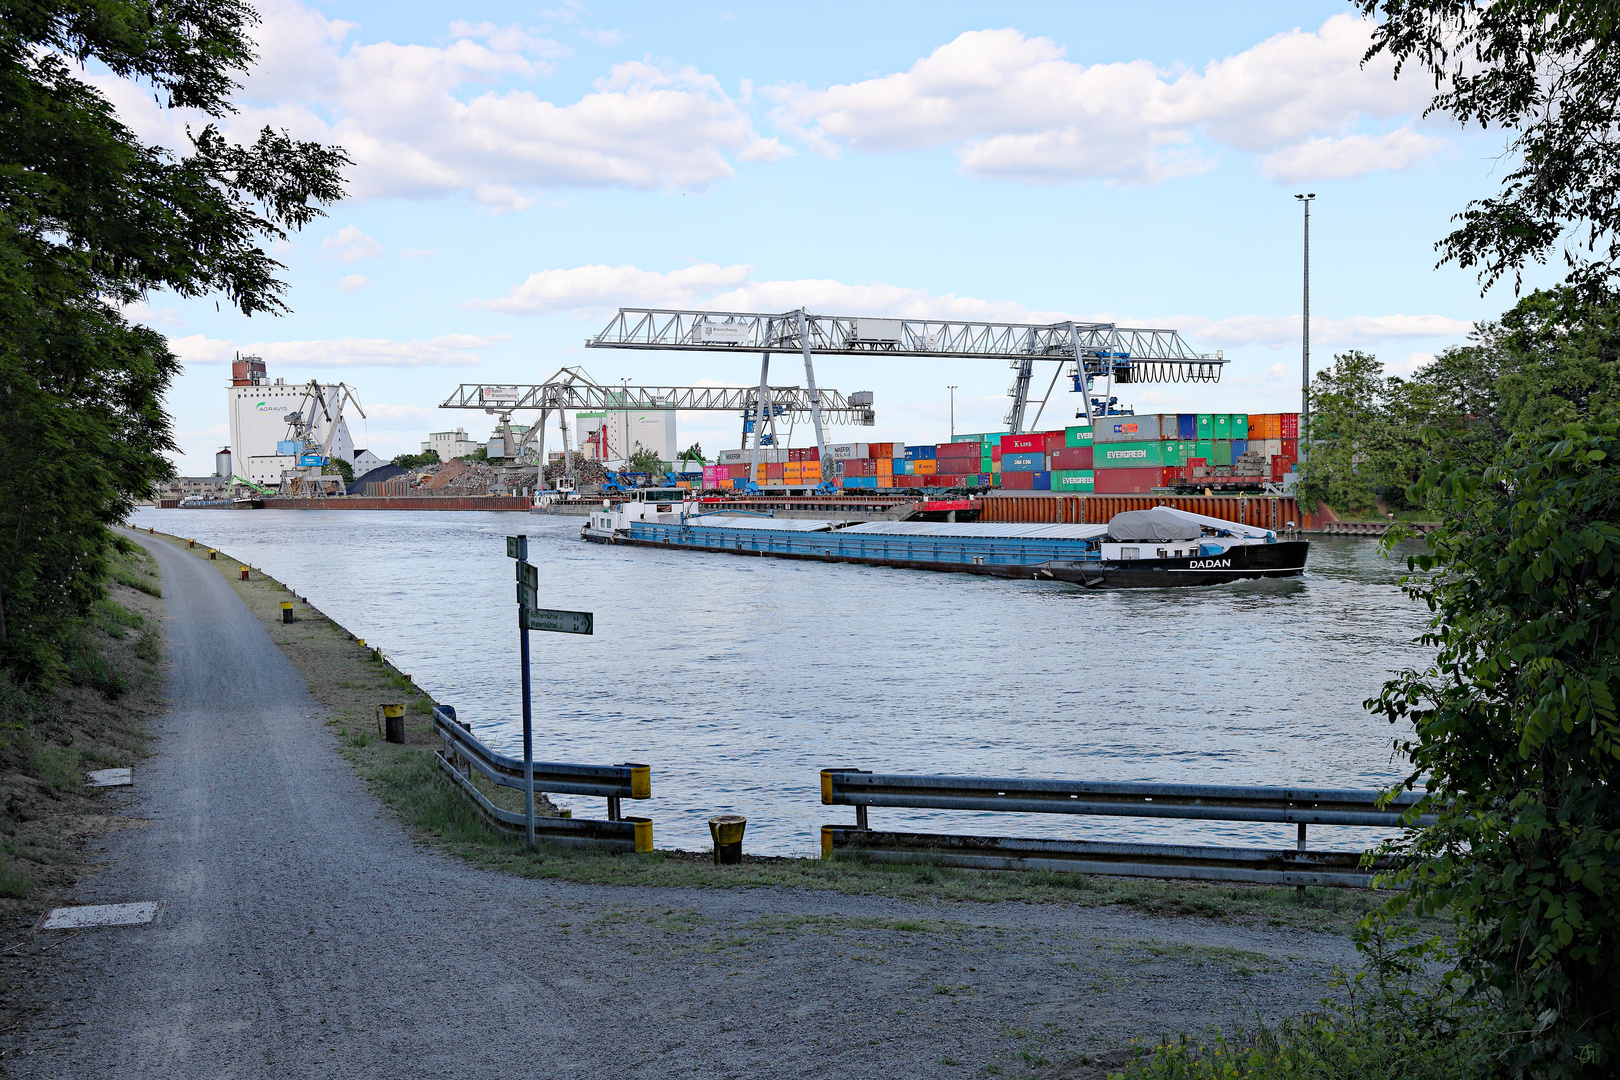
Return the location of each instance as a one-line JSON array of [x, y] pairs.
[[258, 411], [616, 435], [450, 445]]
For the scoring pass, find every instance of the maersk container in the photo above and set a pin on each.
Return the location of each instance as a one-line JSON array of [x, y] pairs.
[[1223, 425], [1118, 429], [1043, 481], [919, 453], [1080, 481], [1078, 436], [1023, 463], [1187, 426], [1240, 425], [1135, 455]]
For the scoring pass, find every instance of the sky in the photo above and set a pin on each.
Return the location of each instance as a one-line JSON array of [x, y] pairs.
[[522, 171]]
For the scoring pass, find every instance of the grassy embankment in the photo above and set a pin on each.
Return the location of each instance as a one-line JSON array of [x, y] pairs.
[[50, 739], [349, 681]]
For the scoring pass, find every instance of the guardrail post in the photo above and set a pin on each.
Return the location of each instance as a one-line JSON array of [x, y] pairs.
[[613, 808], [1299, 844], [860, 818]]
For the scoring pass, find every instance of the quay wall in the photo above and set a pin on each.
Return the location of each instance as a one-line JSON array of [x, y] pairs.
[[1261, 511], [431, 502]]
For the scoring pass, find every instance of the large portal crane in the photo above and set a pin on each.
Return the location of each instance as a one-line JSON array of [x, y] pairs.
[[1097, 350], [303, 427]]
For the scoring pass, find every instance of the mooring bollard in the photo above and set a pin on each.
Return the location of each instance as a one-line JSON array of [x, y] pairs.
[[727, 831], [151, 531], [391, 722], [191, 543], [244, 572], [286, 611], [212, 554]]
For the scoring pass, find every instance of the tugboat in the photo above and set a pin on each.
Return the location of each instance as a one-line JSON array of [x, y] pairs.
[[1154, 548]]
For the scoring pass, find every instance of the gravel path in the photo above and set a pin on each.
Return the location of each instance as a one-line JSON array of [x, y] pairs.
[[305, 936]]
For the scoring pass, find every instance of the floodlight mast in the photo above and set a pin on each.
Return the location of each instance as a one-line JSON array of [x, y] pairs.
[[1096, 349]]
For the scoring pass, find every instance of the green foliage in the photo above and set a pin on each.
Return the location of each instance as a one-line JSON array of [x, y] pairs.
[[647, 461], [1516, 736], [92, 219], [417, 461], [339, 467], [1548, 73], [692, 453]]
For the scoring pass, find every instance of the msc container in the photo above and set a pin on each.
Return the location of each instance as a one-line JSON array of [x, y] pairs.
[[1125, 481], [919, 453], [1206, 426], [1082, 481], [1043, 481], [1223, 425], [1078, 436], [1223, 452], [1017, 481], [1070, 457], [1187, 426], [1289, 424], [1023, 463], [1023, 444], [1128, 429], [1240, 425], [1126, 455]]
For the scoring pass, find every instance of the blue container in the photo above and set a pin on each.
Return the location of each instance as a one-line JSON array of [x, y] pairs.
[[1187, 426], [920, 453], [1030, 462], [1238, 448], [1043, 480]]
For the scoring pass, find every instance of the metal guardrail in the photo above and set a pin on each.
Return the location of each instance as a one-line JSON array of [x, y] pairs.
[[1301, 806], [463, 753]]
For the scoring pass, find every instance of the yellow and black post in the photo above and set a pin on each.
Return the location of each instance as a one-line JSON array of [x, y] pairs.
[[286, 611]]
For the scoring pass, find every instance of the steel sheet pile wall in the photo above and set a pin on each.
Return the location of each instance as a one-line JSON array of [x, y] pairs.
[[436, 502], [1261, 511]]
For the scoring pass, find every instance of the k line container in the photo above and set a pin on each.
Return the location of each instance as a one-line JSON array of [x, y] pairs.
[[1023, 444]]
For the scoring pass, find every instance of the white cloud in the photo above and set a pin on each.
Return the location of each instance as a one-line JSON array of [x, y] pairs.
[[604, 38], [591, 288], [501, 199], [1353, 155], [1014, 107], [141, 313], [351, 245], [448, 350], [353, 283], [1414, 363]]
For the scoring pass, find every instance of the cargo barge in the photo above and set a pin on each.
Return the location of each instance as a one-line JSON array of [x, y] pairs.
[[1153, 548]]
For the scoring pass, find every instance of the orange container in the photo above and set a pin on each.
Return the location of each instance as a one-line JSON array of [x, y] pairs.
[[811, 470], [885, 466], [923, 467]]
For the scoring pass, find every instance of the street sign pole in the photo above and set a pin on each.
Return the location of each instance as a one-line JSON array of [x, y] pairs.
[[533, 617]]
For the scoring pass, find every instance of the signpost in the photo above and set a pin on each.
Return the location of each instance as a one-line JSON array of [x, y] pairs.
[[533, 617]]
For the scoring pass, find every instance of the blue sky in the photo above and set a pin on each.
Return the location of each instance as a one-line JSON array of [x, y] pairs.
[[522, 171]]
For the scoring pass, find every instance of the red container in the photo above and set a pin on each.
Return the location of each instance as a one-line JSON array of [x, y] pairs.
[[807, 453], [955, 450], [1055, 441], [995, 454], [1172, 473], [1023, 444], [1120, 481], [773, 470], [911, 481], [1197, 463], [1025, 481], [738, 472], [1279, 466], [868, 466], [1070, 457], [1290, 425], [1290, 449]]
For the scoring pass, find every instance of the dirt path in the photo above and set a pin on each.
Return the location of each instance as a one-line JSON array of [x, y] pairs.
[[305, 936]]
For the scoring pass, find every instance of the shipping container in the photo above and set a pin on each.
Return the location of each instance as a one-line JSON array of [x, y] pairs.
[[1017, 481], [1290, 448], [902, 467], [1240, 425], [1239, 448], [1078, 436], [1289, 423], [804, 453], [1223, 425], [739, 472], [1206, 426], [1023, 462], [967, 438], [776, 472], [885, 466], [1127, 481], [995, 452], [1187, 426], [1205, 448], [1264, 447], [919, 453], [1043, 481], [1070, 457], [1279, 466], [1265, 426], [957, 450], [1074, 481], [724, 485], [923, 466], [1023, 444], [1055, 440], [1171, 475], [1128, 455], [1223, 452], [1128, 429]]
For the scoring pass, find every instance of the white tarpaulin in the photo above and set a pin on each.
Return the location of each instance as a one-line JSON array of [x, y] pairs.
[[1164, 523]]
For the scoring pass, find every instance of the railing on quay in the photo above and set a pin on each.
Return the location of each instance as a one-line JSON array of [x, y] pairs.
[[463, 754], [1301, 806]]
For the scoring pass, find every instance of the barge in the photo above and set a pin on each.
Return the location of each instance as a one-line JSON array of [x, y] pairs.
[[1153, 548]]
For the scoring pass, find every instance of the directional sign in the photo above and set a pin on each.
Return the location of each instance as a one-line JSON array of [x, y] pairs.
[[528, 574], [517, 547], [562, 622], [527, 596]]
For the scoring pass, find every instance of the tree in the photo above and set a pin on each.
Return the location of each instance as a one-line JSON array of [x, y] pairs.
[[1363, 440], [1516, 736], [339, 467], [91, 219], [416, 461], [692, 453], [646, 460], [1560, 359], [1547, 72]]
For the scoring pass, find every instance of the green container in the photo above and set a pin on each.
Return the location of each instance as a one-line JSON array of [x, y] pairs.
[[985, 463], [1204, 448], [1130, 455], [1072, 480], [1223, 452], [1175, 453], [1206, 426], [967, 438], [1223, 426], [1077, 436], [1240, 425]]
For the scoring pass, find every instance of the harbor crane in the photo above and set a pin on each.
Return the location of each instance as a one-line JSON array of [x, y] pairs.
[[572, 388], [1090, 350], [313, 450]]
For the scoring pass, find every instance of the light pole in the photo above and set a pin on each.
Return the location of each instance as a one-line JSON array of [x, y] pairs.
[[952, 389], [1305, 357]]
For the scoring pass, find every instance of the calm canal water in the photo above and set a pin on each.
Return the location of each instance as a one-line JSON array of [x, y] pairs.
[[738, 679]]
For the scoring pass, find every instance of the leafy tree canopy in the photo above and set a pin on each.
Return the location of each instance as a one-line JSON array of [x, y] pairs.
[[92, 219], [646, 460], [692, 453], [416, 461], [1548, 73]]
